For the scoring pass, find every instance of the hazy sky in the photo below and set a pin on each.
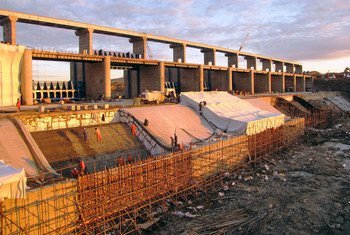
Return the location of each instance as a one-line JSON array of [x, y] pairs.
[[313, 32]]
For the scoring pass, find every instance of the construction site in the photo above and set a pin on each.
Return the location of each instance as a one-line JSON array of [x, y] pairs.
[[172, 147]]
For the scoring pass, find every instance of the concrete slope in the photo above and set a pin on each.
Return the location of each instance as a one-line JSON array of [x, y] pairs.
[[19, 150], [60, 146]]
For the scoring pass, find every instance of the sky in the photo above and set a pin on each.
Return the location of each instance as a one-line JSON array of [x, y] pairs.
[[313, 32]]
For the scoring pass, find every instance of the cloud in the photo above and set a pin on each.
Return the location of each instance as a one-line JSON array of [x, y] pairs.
[[295, 30]]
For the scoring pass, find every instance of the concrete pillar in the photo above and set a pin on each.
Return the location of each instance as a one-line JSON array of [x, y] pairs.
[[85, 40], [289, 68], [139, 46], [107, 77], [252, 88], [270, 82], [26, 78], [295, 83], [209, 56], [201, 77], [279, 66], [298, 69], [283, 83], [232, 60], [162, 76], [179, 52], [229, 79], [304, 82], [266, 64], [251, 62], [98, 79], [9, 29]]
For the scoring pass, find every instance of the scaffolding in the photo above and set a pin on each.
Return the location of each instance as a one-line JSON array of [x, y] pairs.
[[128, 199]]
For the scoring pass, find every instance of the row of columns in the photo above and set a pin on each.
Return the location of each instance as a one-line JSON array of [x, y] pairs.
[[179, 50]]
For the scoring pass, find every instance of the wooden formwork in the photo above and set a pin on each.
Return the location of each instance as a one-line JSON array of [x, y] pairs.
[[121, 199]]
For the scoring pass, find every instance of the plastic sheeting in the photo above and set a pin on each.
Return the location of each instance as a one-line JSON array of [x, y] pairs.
[[12, 182], [18, 149], [340, 102], [10, 62], [165, 120], [232, 114]]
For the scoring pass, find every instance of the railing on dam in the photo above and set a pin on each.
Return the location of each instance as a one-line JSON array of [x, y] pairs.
[[57, 90], [121, 199]]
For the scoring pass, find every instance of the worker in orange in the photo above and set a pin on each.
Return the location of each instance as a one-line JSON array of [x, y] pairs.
[[81, 167], [18, 105], [98, 134], [133, 129]]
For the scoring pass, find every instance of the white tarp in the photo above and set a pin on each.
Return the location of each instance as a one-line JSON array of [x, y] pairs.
[[12, 182], [232, 114], [10, 62], [340, 102]]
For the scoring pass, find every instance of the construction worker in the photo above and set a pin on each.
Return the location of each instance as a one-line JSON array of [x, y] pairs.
[[18, 105], [98, 134], [85, 135], [81, 167], [133, 129], [130, 160], [75, 173]]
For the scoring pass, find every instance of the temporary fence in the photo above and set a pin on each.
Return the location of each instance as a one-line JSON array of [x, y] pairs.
[[126, 199]]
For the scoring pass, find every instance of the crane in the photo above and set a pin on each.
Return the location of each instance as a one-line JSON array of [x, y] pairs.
[[244, 41]]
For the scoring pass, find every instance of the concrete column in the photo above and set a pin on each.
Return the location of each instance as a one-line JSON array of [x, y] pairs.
[[85, 40], [283, 83], [201, 77], [289, 68], [229, 79], [279, 66], [232, 59], [270, 81], [162, 76], [139, 46], [251, 62], [179, 52], [304, 81], [107, 77], [209, 56], [298, 69], [251, 75], [26, 78], [295, 83], [9, 29], [266, 64]]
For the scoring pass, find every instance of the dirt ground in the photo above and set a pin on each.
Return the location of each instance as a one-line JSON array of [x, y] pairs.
[[302, 190]]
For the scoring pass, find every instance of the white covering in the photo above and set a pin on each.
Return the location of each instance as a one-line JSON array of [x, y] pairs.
[[12, 182], [340, 102], [232, 114]]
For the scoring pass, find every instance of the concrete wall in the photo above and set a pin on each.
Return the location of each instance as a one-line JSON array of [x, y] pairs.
[[261, 83], [189, 79], [134, 83], [309, 84], [277, 83], [152, 77], [300, 84], [289, 80], [218, 79], [242, 82], [55, 121]]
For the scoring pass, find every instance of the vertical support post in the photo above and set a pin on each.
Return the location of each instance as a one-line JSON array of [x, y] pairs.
[[266, 64], [251, 62], [279, 66], [162, 76], [295, 83], [269, 81], [179, 52], [252, 88], [85, 41], [283, 83], [107, 77], [304, 83], [201, 77], [26, 78], [9, 29], [229, 79], [209, 56], [139, 46], [232, 60]]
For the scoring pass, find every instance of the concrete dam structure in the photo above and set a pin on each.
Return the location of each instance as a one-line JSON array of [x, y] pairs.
[[91, 68]]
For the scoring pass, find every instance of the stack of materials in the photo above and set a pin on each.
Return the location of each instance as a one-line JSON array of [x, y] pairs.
[[232, 114]]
